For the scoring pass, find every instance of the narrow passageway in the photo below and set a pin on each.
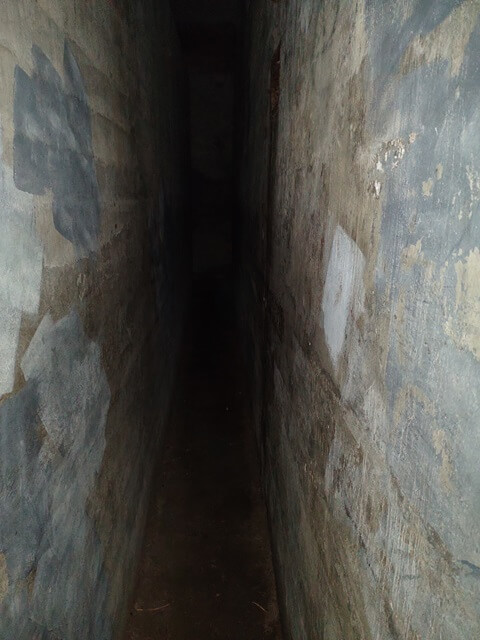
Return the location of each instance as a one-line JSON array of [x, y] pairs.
[[239, 320], [205, 569]]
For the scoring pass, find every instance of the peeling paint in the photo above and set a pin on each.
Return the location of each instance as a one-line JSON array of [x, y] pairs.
[[411, 255], [427, 187]]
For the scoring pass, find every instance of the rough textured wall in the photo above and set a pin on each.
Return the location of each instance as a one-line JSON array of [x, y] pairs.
[[91, 301], [361, 289]]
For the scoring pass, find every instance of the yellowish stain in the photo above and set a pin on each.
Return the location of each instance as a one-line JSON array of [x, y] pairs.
[[427, 187], [446, 42], [411, 255], [406, 398], [3, 578], [441, 449], [464, 326]]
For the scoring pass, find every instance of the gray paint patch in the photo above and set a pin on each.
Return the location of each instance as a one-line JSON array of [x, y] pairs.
[[53, 146], [21, 258], [52, 440]]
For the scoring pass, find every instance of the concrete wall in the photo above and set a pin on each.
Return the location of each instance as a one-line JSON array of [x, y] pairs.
[[361, 300], [91, 253]]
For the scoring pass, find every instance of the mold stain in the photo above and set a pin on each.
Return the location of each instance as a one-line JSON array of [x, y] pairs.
[[441, 449], [427, 187]]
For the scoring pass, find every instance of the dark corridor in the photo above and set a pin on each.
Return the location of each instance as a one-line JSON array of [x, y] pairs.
[[206, 569], [239, 320]]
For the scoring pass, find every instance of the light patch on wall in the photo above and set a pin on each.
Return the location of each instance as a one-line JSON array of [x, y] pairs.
[[343, 291], [21, 259]]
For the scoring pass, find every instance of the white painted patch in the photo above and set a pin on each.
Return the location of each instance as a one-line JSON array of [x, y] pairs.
[[343, 282], [21, 259]]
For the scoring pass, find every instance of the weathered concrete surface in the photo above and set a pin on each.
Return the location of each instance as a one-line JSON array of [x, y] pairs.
[[361, 264], [92, 259]]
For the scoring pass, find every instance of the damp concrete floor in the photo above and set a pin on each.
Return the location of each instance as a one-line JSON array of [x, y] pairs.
[[205, 569]]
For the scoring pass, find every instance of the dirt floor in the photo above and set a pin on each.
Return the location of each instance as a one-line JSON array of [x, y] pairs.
[[206, 571]]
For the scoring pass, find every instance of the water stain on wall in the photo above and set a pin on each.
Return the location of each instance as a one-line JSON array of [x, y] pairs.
[[53, 146]]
